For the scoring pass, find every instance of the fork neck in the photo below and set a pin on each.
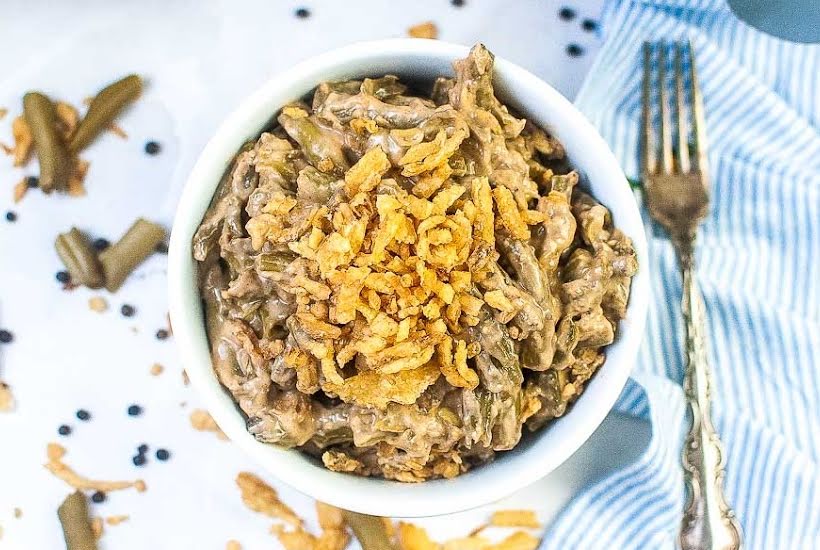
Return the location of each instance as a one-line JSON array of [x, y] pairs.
[[684, 244]]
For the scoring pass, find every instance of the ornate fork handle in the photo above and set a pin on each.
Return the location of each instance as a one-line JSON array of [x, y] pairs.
[[706, 516]]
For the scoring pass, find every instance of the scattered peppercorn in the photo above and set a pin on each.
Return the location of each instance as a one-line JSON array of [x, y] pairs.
[[32, 182], [302, 13], [64, 430], [574, 50], [162, 334], [139, 460], [63, 277], [83, 415], [457, 3], [11, 216], [98, 497], [142, 449], [163, 454], [127, 310], [566, 13], [152, 148], [589, 25], [101, 244], [134, 410], [6, 336], [162, 248]]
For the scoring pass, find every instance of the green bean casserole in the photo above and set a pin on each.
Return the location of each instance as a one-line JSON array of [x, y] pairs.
[[396, 283]]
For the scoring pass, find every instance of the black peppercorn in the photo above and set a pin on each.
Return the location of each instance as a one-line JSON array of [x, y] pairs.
[[64, 430], [5, 336], [11, 216], [101, 244], [139, 460], [83, 415], [574, 50], [457, 3], [162, 334], [142, 449], [302, 13], [589, 25], [127, 310], [134, 410], [152, 148], [32, 182], [566, 13], [163, 454], [98, 497], [63, 277]]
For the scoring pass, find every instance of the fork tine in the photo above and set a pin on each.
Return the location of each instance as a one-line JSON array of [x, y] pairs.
[[683, 134], [698, 123], [666, 124], [649, 159]]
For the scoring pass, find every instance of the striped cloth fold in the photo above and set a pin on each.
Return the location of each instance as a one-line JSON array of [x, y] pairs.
[[759, 271]]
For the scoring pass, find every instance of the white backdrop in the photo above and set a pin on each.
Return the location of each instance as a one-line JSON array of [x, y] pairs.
[[200, 58]]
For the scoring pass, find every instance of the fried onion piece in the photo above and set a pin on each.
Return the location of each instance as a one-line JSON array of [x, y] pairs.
[[508, 214], [56, 466], [371, 388], [514, 518], [454, 365], [427, 29], [520, 540], [296, 539], [432, 154], [23, 141], [261, 497], [413, 537], [366, 174]]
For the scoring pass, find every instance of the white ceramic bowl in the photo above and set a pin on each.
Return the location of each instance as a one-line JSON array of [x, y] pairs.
[[539, 453]]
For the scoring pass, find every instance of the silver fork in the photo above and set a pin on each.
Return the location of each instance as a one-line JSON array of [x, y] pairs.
[[677, 196]]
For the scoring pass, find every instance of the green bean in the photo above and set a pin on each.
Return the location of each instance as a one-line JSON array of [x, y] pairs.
[[384, 87], [274, 261], [55, 161], [103, 109], [369, 530], [120, 259], [73, 514], [79, 258]]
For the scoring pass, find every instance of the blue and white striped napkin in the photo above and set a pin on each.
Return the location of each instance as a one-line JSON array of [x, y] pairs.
[[759, 270]]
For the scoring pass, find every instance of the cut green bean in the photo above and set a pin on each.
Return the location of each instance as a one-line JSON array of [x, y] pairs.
[[369, 530], [79, 258], [104, 108], [73, 514], [120, 259], [55, 161]]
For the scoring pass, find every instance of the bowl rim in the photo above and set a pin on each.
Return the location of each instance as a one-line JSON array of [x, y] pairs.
[[480, 486]]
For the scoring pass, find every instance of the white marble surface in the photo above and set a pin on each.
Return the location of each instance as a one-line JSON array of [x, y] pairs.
[[200, 58]]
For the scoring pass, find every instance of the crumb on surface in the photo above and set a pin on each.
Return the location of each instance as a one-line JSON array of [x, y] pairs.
[[20, 190], [18, 512], [201, 421], [427, 29], [6, 398], [156, 369], [98, 304], [116, 520], [185, 380], [233, 545], [117, 131]]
